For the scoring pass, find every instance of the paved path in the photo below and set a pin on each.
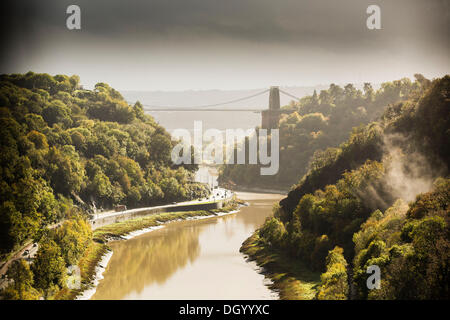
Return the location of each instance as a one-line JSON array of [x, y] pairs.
[[19, 255], [216, 195]]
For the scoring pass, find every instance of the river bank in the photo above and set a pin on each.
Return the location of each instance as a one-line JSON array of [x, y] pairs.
[[97, 255], [196, 260], [290, 278]]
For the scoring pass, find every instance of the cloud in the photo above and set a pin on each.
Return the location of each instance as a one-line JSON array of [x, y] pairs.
[[322, 23], [323, 39]]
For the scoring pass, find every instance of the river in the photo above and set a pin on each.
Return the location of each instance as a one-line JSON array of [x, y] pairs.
[[197, 259]]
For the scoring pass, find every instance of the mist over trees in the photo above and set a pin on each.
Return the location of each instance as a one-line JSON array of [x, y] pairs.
[[321, 121], [370, 175], [351, 210]]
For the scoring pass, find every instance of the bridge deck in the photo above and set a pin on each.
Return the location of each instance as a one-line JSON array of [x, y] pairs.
[[193, 109]]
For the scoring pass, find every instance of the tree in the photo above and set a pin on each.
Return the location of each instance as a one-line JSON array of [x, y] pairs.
[[22, 286], [39, 140], [273, 232], [334, 284], [65, 171], [57, 112], [48, 267], [172, 189], [73, 237], [160, 149], [19, 227], [100, 187]]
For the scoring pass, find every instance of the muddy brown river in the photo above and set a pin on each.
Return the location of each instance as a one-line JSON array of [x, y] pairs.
[[197, 259]]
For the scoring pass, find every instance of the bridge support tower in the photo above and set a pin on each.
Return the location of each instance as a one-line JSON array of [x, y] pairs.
[[271, 117]]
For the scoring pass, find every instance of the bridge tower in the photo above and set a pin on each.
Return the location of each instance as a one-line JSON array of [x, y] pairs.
[[271, 117]]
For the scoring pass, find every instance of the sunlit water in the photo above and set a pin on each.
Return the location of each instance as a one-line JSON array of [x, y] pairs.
[[196, 259]]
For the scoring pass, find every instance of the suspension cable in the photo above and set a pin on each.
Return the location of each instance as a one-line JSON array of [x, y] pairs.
[[290, 95], [207, 105]]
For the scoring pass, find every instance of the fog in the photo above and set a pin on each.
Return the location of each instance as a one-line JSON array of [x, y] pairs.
[[407, 174]]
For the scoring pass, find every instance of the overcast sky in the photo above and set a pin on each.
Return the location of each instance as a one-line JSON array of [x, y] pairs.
[[226, 44]]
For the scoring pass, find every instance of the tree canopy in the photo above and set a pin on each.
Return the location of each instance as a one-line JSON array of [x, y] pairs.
[[349, 211], [60, 141]]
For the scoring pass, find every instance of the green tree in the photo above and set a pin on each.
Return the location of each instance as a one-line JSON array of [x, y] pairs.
[[273, 232], [334, 285], [48, 266], [57, 112], [22, 286], [65, 171]]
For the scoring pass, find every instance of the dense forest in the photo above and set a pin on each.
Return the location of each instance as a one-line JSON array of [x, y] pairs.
[[66, 152], [380, 198], [321, 121]]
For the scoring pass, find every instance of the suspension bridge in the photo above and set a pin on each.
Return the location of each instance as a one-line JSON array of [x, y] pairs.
[[270, 117]]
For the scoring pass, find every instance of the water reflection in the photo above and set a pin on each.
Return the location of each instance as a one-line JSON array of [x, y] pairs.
[[150, 258], [189, 260]]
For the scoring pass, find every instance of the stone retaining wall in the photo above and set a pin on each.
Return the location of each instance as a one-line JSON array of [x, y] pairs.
[[135, 213]]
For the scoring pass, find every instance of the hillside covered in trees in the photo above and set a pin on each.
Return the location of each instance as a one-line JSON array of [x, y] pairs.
[[381, 198], [66, 151], [322, 121]]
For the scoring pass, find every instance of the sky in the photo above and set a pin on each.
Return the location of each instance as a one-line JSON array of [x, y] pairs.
[[173, 45]]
